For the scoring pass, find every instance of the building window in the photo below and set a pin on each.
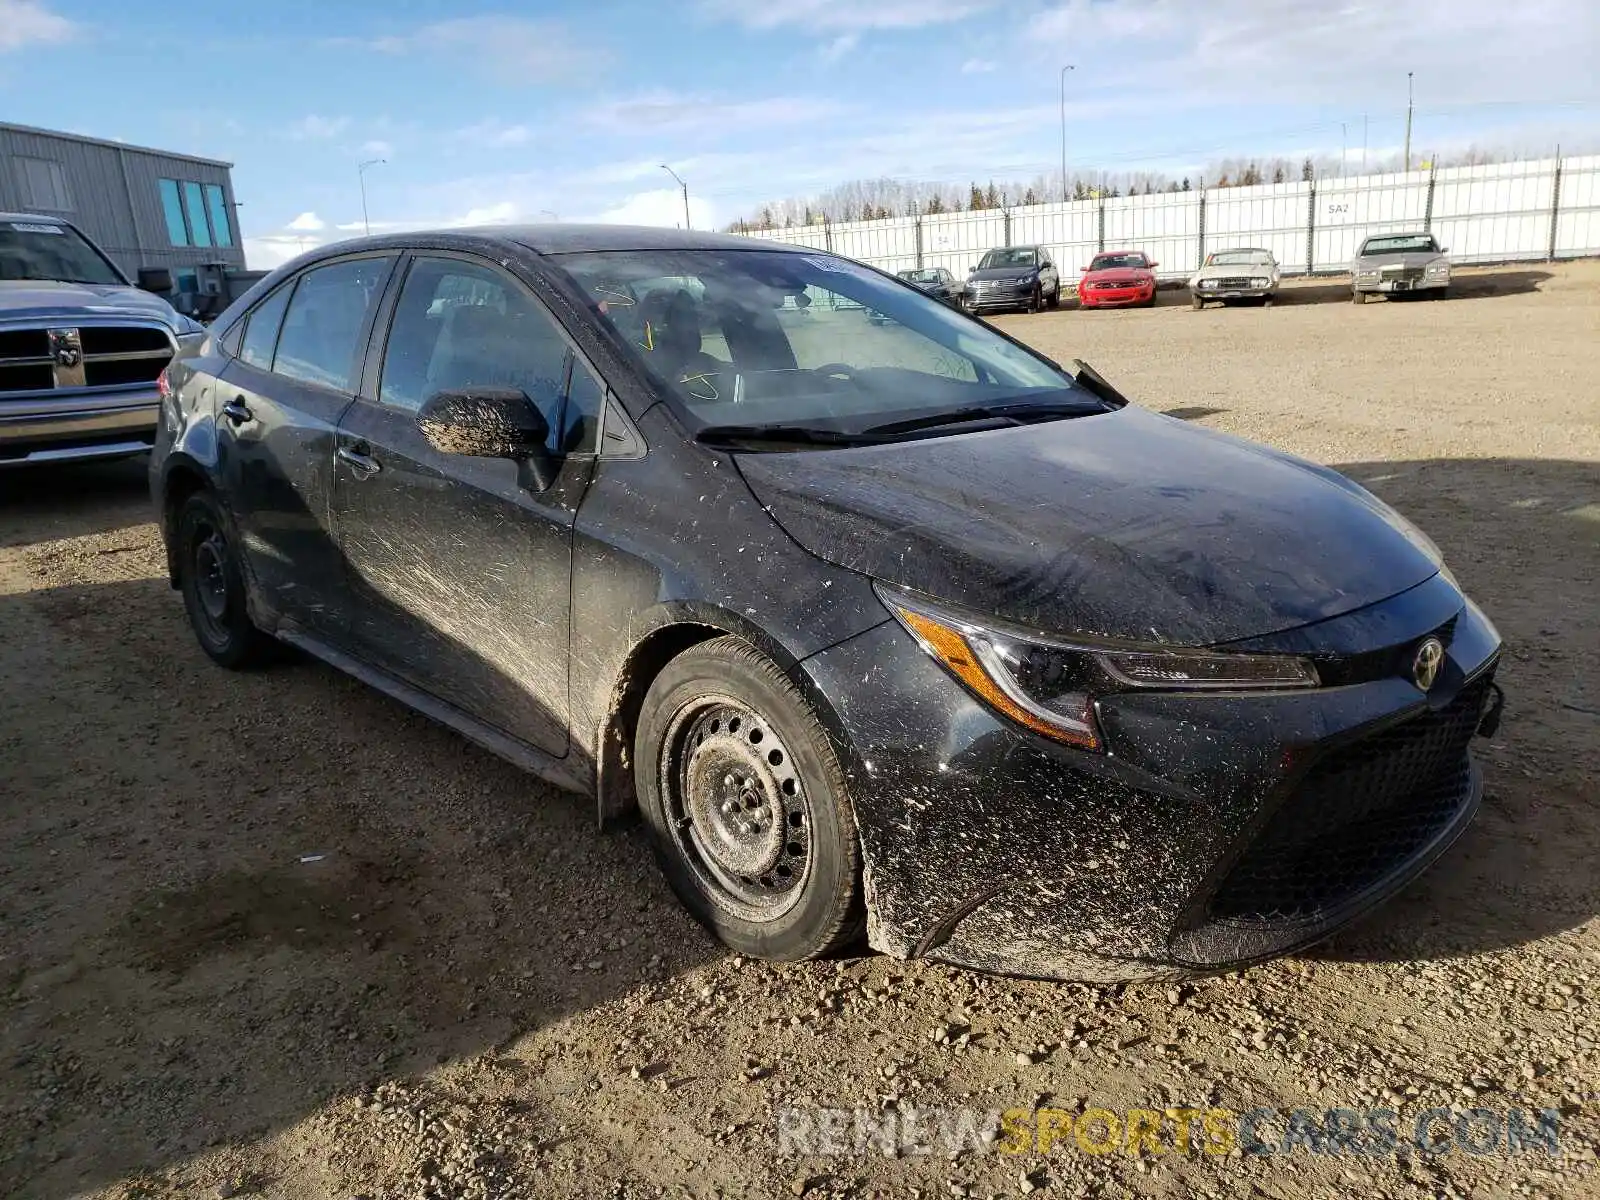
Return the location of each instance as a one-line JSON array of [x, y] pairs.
[[194, 201], [196, 214], [43, 185], [172, 207], [217, 209]]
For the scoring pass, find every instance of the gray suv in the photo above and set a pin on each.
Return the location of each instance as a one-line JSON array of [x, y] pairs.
[[82, 348], [1391, 263]]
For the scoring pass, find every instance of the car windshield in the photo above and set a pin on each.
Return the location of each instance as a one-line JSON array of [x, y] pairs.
[[1011, 256], [45, 250], [1239, 258], [1107, 262], [920, 276], [1402, 243], [760, 338]]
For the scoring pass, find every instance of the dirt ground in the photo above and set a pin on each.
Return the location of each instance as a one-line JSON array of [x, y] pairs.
[[271, 934]]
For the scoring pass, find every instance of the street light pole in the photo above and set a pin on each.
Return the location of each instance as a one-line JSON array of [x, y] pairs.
[[1064, 70], [1408, 120], [685, 188], [361, 176]]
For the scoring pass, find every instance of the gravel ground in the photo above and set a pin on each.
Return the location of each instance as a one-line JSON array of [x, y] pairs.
[[271, 934]]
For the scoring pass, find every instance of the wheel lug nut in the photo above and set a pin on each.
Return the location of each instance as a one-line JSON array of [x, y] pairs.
[[728, 780], [746, 828], [729, 807]]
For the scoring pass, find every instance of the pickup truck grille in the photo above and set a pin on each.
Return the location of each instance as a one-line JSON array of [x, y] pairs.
[[56, 357]]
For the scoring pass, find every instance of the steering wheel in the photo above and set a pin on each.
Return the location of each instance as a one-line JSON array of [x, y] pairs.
[[836, 369]]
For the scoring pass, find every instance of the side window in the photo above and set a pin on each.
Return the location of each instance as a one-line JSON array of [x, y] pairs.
[[321, 341], [261, 328], [459, 325]]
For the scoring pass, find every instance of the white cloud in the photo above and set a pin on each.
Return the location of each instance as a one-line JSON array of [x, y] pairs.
[[273, 250], [844, 16], [307, 222], [315, 129], [495, 135], [377, 148], [833, 51], [656, 113], [977, 66], [23, 22], [518, 50], [663, 207], [1313, 52]]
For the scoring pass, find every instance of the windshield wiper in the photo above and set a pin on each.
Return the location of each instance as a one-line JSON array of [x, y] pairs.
[[805, 435], [982, 412]]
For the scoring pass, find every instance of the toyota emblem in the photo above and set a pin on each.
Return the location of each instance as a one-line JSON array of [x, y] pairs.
[[1425, 667]]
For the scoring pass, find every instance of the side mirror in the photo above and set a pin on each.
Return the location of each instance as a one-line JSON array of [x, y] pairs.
[[488, 422], [802, 300], [155, 279], [1154, 264], [1444, 249]]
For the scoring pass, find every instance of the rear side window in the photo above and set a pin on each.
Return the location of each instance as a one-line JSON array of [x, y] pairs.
[[261, 329], [458, 325], [321, 342]]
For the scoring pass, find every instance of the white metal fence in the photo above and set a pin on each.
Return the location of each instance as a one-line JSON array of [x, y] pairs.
[[1498, 212]]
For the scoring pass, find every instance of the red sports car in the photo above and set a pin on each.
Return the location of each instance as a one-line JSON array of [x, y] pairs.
[[1116, 278]]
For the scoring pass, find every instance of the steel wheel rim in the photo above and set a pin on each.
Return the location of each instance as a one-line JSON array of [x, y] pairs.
[[210, 557], [736, 806]]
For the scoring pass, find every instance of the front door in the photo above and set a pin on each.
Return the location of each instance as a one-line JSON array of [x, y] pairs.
[[279, 403], [461, 575]]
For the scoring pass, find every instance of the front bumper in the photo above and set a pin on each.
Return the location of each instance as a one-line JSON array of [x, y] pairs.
[[1093, 297], [44, 427], [1219, 829], [1232, 293], [1401, 286]]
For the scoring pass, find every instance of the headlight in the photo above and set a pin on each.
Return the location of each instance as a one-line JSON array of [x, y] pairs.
[[1438, 268], [1260, 282], [1367, 273], [1210, 283], [1050, 685]]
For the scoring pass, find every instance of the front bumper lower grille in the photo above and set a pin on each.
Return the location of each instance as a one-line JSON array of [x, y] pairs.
[[1361, 814]]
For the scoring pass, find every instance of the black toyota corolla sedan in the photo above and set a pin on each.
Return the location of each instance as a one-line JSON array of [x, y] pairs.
[[892, 627]]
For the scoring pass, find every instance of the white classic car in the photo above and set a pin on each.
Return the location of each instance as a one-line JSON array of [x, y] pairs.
[[1248, 273]]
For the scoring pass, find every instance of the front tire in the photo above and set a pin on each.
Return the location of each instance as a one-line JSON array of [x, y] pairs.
[[1358, 297], [747, 805], [212, 583], [1196, 303]]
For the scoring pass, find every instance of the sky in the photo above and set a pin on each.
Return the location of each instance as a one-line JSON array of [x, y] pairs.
[[489, 111]]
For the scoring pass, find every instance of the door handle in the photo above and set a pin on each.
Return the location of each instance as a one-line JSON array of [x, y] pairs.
[[361, 462], [237, 411]]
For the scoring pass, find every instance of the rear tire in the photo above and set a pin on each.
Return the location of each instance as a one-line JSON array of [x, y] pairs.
[[212, 583], [747, 806], [1055, 297]]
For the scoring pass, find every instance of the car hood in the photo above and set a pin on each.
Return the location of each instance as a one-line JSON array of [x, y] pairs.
[[1413, 258], [1236, 271], [1125, 524], [23, 299], [1128, 275], [1001, 273]]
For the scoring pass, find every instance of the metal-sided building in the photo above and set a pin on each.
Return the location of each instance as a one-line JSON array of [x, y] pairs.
[[145, 208]]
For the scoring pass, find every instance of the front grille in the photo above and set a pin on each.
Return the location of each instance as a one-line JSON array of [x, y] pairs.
[[1361, 812], [110, 356], [1235, 281], [1404, 274], [1116, 287]]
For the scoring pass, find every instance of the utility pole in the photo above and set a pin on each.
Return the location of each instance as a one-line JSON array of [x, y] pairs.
[[1343, 141], [361, 176], [685, 188], [1363, 143], [1064, 70], [1408, 120]]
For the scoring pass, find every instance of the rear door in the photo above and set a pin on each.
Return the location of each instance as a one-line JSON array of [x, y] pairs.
[[279, 403], [461, 575]]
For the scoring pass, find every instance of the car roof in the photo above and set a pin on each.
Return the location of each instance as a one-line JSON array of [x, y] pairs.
[[32, 218], [1242, 250], [565, 238], [1098, 253]]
